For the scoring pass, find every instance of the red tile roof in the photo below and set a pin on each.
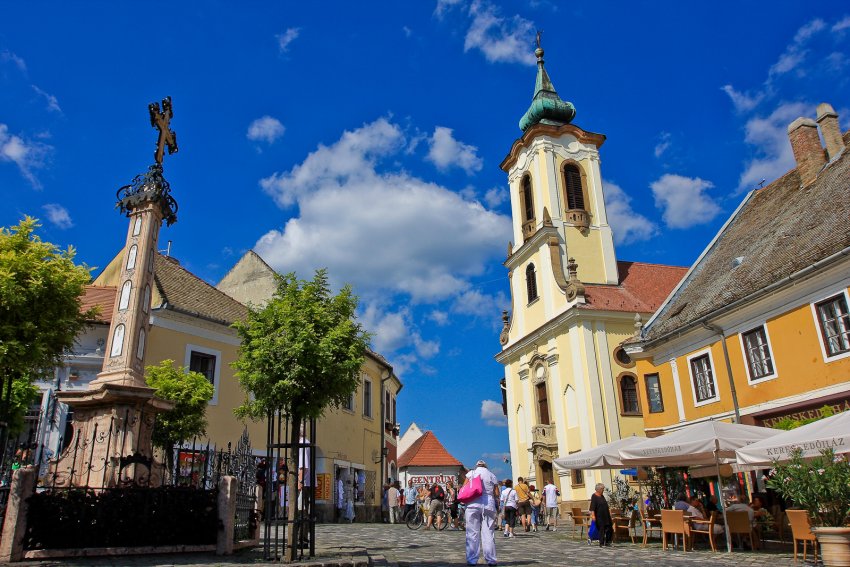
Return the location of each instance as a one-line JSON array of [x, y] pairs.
[[643, 288], [103, 296], [427, 451]]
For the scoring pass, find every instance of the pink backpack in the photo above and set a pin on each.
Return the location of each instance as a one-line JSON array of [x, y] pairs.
[[471, 490]]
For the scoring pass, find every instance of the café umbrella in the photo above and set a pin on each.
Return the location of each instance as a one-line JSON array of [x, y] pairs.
[[829, 433], [605, 456], [705, 443]]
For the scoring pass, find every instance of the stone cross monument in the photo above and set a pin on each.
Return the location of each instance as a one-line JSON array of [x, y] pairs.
[[114, 418]]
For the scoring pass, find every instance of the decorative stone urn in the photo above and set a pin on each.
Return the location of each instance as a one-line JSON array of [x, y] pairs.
[[834, 546]]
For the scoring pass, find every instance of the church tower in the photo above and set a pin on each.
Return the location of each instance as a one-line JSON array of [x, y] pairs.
[[568, 384]]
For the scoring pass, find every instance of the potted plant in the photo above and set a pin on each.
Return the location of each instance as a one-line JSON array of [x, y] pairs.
[[821, 485]]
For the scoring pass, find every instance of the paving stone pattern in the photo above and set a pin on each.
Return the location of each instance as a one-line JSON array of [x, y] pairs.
[[382, 545]]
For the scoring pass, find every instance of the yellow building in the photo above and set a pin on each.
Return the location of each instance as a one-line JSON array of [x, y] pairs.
[[191, 324], [759, 327], [568, 384]]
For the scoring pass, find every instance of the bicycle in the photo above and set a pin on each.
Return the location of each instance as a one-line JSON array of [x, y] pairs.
[[419, 515]]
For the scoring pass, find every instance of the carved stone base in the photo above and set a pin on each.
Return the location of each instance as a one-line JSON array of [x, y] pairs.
[[111, 444]]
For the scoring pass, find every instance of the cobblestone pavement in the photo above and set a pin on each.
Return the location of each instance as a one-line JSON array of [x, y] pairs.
[[396, 545]]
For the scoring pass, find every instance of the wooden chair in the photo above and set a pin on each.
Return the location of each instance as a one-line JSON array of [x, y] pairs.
[[705, 527], [629, 527], [801, 530], [738, 524], [580, 520], [673, 522], [650, 524]]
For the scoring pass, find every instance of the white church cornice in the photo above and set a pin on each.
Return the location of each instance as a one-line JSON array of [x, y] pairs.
[[533, 244]]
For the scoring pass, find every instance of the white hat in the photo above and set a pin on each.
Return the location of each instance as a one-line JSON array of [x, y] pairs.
[[481, 463]]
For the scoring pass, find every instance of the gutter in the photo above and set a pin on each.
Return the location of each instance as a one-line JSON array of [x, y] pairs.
[[746, 299]]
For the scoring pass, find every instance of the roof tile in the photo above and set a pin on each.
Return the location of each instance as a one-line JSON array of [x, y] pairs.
[[427, 451]]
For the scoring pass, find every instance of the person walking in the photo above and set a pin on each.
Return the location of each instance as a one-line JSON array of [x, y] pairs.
[[438, 498], [393, 498], [410, 495], [550, 497], [523, 506], [452, 503], [601, 514], [509, 503], [536, 505], [481, 516]]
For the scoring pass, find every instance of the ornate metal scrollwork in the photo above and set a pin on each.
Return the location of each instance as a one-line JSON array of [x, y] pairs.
[[148, 187]]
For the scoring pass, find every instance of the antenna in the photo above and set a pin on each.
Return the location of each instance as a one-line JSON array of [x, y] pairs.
[[761, 183], [167, 249]]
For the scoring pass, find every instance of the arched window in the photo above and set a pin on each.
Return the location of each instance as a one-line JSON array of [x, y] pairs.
[[131, 257], [137, 226], [140, 351], [573, 188], [629, 395], [146, 302], [527, 199], [531, 282]]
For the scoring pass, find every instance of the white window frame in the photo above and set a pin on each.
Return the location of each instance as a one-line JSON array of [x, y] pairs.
[[716, 397], [756, 381], [816, 317], [371, 414], [216, 375]]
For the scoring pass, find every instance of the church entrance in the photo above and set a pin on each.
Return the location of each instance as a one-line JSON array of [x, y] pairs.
[[546, 475]]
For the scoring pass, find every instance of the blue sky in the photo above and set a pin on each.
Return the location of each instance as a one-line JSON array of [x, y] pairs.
[[366, 137]]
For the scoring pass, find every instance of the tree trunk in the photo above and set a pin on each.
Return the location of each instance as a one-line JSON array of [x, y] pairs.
[[293, 535]]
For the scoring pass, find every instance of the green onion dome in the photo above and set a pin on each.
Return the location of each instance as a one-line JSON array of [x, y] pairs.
[[546, 106]]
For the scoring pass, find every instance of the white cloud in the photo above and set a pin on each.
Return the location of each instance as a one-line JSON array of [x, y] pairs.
[[27, 155], [7, 56], [743, 102], [425, 349], [446, 152], [500, 39], [407, 31], [841, 25], [52, 101], [496, 196], [441, 318], [478, 304], [684, 201], [796, 51], [444, 6], [390, 330], [627, 225], [58, 215], [663, 144], [287, 37], [266, 129], [770, 136], [379, 231], [492, 414]]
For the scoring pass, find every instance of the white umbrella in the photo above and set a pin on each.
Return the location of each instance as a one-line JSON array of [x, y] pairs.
[[705, 443], [829, 433], [605, 456]]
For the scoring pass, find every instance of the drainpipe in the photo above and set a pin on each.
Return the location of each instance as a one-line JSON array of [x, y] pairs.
[[385, 376], [722, 336]]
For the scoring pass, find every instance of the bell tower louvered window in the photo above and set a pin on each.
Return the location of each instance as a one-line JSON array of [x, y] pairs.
[[573, 188], [531, 282], [527, 199]]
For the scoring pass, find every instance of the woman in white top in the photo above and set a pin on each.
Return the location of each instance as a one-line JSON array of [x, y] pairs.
[[509, 503], [480, 517]]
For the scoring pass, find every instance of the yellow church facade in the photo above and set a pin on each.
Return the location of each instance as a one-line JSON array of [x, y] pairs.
[[759, 328], [568, 384]]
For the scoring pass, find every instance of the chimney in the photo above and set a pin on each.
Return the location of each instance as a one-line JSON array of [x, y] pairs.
[[808, 152], [829, 129]]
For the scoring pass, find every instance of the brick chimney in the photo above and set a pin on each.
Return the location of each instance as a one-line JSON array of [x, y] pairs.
[[808, 151], [829, 129]]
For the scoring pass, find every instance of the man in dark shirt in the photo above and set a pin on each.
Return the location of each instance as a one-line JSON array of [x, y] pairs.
[[438, 496], [601, 514]]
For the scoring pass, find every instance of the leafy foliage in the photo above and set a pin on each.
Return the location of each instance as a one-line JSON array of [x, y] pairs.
[[621, 495], [820, 485], [24, 393], [663, 485], [40, 291], [302, 352], [190, 392], [789, 423]]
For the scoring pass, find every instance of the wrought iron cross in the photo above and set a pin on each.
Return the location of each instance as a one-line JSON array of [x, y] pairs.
[[539, 33], [161, 120]]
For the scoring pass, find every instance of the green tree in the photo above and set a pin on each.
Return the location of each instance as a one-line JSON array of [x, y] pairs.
[[40, 301], [300, 354], [190, 392]]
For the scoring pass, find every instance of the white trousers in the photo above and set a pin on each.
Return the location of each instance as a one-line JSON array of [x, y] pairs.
[[479, 534]]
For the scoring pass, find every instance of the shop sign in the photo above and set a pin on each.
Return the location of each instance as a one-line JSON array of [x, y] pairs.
[[432, 478], [323, 486], [814, 413]]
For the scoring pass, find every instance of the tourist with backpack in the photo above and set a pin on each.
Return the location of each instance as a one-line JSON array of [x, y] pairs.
[[438, 498]]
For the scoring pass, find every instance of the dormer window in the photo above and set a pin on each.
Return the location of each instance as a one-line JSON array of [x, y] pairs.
[[531, 282]]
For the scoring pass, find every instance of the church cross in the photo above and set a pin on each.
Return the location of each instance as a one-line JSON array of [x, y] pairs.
[[161, 120]]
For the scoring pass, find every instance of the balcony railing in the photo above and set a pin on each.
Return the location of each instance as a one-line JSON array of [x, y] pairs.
[[544, 435]]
